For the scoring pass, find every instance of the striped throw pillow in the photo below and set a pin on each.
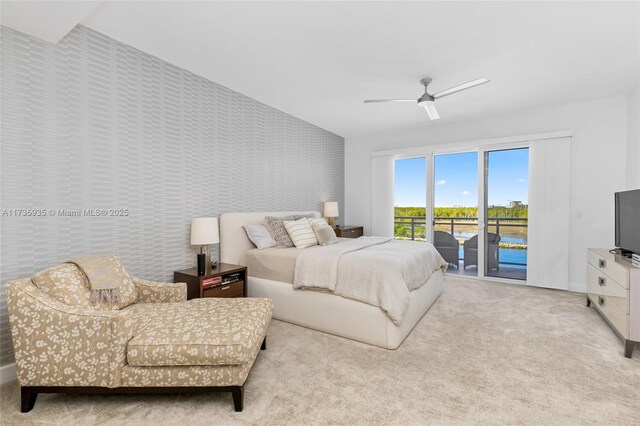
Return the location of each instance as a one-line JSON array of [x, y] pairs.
[[301, 233]]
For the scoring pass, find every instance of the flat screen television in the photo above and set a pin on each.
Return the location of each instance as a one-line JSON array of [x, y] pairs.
[[628, 221]]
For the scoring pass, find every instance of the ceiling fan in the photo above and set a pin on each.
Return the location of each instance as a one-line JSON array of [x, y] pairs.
[[428, 100]]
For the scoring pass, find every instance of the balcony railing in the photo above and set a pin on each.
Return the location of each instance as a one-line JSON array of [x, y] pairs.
[[417, 227]]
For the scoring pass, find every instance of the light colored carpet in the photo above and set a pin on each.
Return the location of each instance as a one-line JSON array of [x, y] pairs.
[[485, 353]]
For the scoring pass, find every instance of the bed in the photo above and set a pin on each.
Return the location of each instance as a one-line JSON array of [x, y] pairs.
[[317, 309]]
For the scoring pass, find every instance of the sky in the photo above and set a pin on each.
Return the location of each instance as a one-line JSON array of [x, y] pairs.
[[456, 179]]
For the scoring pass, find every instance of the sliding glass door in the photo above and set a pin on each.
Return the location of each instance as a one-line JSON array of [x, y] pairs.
[[410, 199], [476, 203], [455, 210], [506, 194]]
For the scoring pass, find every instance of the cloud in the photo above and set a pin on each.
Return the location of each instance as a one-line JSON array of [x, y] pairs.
[[465, 193], [441, 182], [520, 180]]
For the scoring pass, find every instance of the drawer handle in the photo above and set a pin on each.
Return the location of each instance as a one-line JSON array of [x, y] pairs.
[[602, 263], [600, 301], [226, 288], [601, 281]]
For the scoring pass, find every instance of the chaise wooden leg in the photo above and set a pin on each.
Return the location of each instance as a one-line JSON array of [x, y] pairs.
[[238, 397], [588, 302], [27, 398], [264, 344]]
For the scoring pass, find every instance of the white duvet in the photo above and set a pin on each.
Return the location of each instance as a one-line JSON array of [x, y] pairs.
[[379, 271]]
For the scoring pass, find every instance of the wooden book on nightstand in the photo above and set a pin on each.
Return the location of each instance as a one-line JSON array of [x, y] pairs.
[[225, 280]]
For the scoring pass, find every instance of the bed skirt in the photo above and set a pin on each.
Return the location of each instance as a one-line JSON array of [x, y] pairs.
[[343, 317]]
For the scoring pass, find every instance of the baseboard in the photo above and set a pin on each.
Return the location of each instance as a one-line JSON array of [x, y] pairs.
[[577, 287], [8, 373]]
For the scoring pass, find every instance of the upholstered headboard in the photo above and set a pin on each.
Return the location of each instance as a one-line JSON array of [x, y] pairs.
[[233, 238]]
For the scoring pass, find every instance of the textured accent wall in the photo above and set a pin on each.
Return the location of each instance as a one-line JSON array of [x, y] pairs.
[[91, 123]]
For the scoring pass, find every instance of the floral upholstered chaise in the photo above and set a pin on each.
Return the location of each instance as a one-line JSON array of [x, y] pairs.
[[151, 340]]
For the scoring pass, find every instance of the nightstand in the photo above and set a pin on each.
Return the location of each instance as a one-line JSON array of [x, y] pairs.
[[225, 280], [349, 231]]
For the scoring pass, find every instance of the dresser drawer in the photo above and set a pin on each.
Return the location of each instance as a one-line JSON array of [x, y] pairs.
[[613, 302], [615, 313], [617, 298], [611, 268], [227, 290], [596, 281]]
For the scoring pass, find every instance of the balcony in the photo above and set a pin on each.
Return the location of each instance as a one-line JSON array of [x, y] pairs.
[[510, 251]]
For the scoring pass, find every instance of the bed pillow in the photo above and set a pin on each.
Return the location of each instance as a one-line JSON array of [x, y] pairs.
[[301, 233], [276, 229], [259, 236], [324, 233]]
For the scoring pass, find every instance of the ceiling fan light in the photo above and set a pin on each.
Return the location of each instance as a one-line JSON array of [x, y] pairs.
[[430, 107]]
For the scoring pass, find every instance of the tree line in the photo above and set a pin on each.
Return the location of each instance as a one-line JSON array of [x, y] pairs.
[[519, 212]]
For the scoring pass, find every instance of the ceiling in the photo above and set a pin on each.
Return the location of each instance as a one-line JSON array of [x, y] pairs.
[[319, 60]]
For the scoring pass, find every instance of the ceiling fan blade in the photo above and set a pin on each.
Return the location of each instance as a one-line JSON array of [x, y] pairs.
[[373, 101], [430, 106], [460, 87]]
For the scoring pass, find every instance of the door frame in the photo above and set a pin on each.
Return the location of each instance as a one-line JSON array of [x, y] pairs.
[[483, 168], [481, 146]]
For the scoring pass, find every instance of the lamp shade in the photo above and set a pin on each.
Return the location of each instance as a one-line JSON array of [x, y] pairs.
[[331, 209], [204, 230]]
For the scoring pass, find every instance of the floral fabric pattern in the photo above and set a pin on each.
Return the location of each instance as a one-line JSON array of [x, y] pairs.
[[156, 292], [60, 345], [176, 343], [220, 375], [65, 283], [207, 331], [110, 284]]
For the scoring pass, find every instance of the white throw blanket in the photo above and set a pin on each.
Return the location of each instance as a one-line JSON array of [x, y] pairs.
[[375, 270]]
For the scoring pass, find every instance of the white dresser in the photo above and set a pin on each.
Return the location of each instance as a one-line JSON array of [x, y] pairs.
[[613, 287]]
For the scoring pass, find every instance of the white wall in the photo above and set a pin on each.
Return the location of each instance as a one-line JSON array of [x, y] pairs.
[[598, 164], [633, 139]]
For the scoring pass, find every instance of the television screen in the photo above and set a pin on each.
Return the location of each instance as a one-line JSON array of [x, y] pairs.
[[628, 220]]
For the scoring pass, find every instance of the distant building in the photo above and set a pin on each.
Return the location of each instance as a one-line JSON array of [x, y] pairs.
[[513, 204]]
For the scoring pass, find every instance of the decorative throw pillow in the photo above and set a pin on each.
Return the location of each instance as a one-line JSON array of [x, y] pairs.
[[324, 233], [68, 284], [259, 236], [65, 283], [301, 233], [276, 229], [128, 290], [319, 220]]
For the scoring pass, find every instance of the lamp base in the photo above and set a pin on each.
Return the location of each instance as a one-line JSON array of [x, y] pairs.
[[330, 221], [201, 264], [204, 251]]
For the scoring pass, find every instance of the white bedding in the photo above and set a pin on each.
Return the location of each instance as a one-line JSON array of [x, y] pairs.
[[379, 271]]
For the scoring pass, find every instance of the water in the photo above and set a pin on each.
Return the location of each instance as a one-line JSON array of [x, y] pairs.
[[462, 236], [507, 255]]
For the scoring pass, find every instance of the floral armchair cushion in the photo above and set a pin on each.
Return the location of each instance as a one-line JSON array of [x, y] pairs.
[[66, 283], [208, 331]]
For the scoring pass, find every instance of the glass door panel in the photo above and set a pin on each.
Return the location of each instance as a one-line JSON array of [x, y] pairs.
[[506, 214], [410, 199], [455, 211]]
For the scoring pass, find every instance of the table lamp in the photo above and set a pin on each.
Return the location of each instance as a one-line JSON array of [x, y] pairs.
[[331, 211], [204, 231]]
